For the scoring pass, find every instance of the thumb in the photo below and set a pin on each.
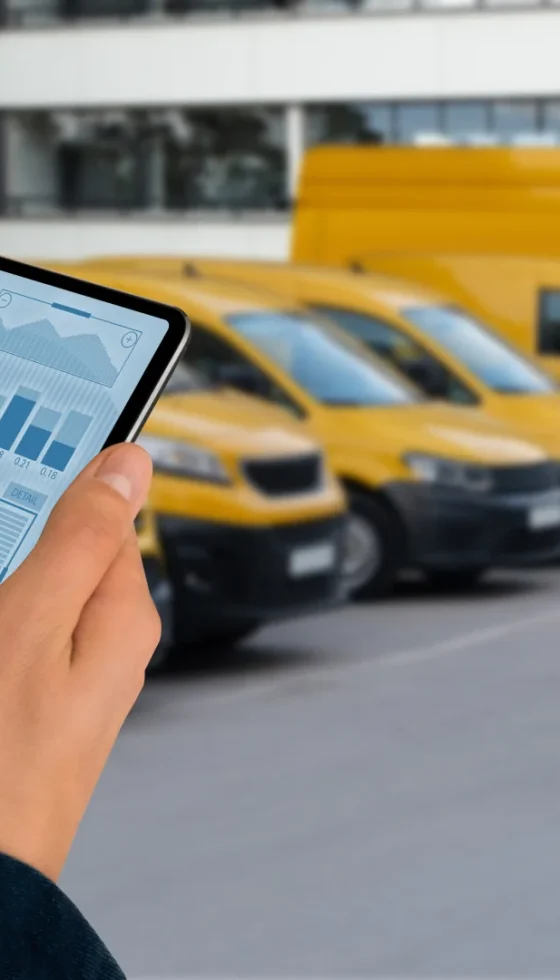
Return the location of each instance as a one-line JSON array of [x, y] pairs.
[[87, 528]]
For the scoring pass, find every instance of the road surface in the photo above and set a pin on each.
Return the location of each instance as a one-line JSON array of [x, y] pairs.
[[374, 792]]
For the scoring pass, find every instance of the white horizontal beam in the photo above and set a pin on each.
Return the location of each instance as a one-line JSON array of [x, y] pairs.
[[425, 55], [82, 238]]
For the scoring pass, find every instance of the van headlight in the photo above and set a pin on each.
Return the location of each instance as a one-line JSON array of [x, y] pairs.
[[182, 459], [448, 473]]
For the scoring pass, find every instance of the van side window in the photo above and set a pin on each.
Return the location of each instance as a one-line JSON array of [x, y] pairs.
[[221, 363], [548, 331], [402, 352]]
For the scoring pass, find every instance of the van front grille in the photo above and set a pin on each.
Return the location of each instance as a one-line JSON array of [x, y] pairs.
[[534, 478], [285, 476]]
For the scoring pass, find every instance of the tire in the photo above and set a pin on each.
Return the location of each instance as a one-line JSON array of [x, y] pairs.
[[455, 579], [169, 658], [374, 548], [223, 637], [162, 595]]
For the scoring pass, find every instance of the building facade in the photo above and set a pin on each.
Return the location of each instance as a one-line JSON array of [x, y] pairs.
[[179, 125]]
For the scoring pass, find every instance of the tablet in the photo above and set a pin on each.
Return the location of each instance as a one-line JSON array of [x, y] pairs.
[[81, 366]]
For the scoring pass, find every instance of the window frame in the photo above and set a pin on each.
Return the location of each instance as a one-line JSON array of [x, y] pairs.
[[474, 396], [498, 336], [543, 292], [288, 402]]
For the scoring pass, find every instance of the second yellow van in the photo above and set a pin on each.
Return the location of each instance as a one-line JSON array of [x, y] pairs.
[[439, 488], [450, 354], [518, 294]]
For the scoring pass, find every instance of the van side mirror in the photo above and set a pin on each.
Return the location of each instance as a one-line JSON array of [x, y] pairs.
[[241, 376]]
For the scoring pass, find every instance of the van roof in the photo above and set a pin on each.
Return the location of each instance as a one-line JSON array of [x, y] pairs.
[[392, 292], [543, 266], [223, 297], [219, 297]]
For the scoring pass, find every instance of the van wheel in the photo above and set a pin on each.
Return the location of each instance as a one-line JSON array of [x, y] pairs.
[[455, 579], [372, 549], [172, 657], [223, 637]]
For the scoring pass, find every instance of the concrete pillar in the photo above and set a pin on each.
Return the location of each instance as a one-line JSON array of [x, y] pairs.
[[156, 175], [295, 147]]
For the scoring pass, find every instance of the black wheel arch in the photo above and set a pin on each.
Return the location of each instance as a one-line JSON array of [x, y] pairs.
[[383, 500]]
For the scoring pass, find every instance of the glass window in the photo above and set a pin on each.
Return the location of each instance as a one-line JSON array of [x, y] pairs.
[[415, 120], [549, 322], [225, 159], [102, 176], [403, 353], [329, 370], [69, 9], [488, 357], [186, 379], [351, 122], [462, 120], [221, 363], [208, 353], [514, 118], [125, 159], [551, 117]]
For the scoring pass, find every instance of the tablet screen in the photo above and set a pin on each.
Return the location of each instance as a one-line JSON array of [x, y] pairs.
[[68, 366]]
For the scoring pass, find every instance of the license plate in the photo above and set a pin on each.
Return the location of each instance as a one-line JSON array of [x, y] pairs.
[[312, 559], [542, 517]]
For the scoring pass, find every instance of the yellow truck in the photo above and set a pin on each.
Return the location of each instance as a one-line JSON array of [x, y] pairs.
[[440, 488], [359, 200], [250, 520], [479, 225]]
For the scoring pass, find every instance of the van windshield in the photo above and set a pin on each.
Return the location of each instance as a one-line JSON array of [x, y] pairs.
[[489, 358], [184, 380], [332, 371]]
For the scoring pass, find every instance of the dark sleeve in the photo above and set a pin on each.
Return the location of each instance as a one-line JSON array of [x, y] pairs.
[[43, 936]]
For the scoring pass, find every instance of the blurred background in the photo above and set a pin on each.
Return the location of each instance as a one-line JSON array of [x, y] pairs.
[[345, 759], [179, 125]]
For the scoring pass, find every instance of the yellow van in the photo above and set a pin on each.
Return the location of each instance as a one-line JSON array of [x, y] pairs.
[[518, 294], [251, 521], [356, 200], [443, 349], [440, 488]]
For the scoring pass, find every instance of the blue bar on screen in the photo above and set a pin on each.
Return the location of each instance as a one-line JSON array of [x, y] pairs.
[[38, 433], [18, 411]]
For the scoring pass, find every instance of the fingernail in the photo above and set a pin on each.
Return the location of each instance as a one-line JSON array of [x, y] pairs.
[[127, 470]]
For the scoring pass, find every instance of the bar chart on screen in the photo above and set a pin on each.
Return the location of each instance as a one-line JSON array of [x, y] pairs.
[[29, 440]]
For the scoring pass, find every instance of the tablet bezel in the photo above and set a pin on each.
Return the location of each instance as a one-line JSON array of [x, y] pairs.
[[144, 396]]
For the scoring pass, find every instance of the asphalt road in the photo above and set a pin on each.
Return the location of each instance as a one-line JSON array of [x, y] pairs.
[[371, 793]]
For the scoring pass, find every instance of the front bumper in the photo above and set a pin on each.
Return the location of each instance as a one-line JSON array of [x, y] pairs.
[[449, 528], [223, 573]]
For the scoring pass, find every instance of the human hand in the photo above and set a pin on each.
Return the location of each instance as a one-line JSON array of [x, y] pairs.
[[77, 630]]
